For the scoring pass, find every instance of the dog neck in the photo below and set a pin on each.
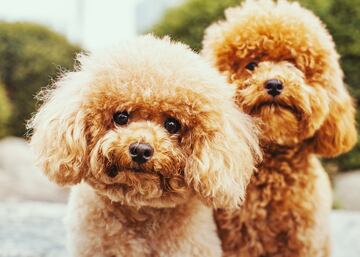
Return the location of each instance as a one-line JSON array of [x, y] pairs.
[[275, 150], [275, 154], [140, 216]]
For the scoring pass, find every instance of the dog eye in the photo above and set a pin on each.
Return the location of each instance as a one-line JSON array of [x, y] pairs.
[[251, 66], [121, 118], [172, 125]]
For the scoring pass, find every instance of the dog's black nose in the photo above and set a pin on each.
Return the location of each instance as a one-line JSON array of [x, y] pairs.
[[140, 153], [273, 87]]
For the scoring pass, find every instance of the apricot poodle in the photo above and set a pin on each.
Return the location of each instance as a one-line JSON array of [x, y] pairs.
[[287, 75], [146, 131]]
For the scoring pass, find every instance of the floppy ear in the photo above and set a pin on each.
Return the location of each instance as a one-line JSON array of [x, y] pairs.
[[338, 133], [59, 134], [222, 162]]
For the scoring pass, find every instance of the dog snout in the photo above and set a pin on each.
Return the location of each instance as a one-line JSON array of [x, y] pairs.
[[273, 87], [141, 152]]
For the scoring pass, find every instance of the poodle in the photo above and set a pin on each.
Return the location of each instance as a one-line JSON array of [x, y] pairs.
[[288, 78], [145, 132]]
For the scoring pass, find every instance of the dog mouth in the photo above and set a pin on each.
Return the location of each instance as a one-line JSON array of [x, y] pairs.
[[257, 108], [113, 170]]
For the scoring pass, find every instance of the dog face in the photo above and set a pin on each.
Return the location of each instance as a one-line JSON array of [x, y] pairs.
[[287, 73], [146, 124]]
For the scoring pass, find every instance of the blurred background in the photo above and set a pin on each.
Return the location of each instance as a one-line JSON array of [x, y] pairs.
[[39, 39]]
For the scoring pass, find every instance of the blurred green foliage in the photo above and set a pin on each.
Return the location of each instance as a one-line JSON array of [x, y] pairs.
[[5, 111], [188, 21], [30, 55]]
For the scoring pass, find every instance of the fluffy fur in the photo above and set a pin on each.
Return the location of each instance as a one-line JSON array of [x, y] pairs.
[[157, 208], [288, 200]]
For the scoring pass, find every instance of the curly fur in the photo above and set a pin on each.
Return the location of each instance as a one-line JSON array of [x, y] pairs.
[[288, 200], [158, 208]]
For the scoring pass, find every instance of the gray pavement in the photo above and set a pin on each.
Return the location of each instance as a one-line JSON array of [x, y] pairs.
[[35, 229]]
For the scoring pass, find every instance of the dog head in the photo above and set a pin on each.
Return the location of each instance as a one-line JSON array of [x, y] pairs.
[[146, 123], [287, 73]]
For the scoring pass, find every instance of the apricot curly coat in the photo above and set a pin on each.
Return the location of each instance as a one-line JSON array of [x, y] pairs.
[[160, 207], [288, 200]]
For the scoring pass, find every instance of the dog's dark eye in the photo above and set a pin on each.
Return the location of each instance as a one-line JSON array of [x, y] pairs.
[[172, 125], [121, 118], [251, 66]]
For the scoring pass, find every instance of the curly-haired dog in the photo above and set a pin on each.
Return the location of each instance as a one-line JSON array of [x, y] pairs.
[[288, 76], [148, 127]]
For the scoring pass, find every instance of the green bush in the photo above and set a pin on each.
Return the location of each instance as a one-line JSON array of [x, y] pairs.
[[5, 111], [342, 18], [30, 55], [188, 21]]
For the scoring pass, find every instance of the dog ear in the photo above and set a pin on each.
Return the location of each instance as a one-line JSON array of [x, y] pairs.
[[58, 132], [222, 163], [338, 133]]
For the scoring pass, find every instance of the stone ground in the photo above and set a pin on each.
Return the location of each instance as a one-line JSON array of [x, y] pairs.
[[32, 229], [35, 229], [20, 180], [32, 208], [347, 190]]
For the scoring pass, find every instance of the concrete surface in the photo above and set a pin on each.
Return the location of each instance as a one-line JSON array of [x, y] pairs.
[[32, 229], [347, 190], [35, 229], [31, 226], [20, 180]]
